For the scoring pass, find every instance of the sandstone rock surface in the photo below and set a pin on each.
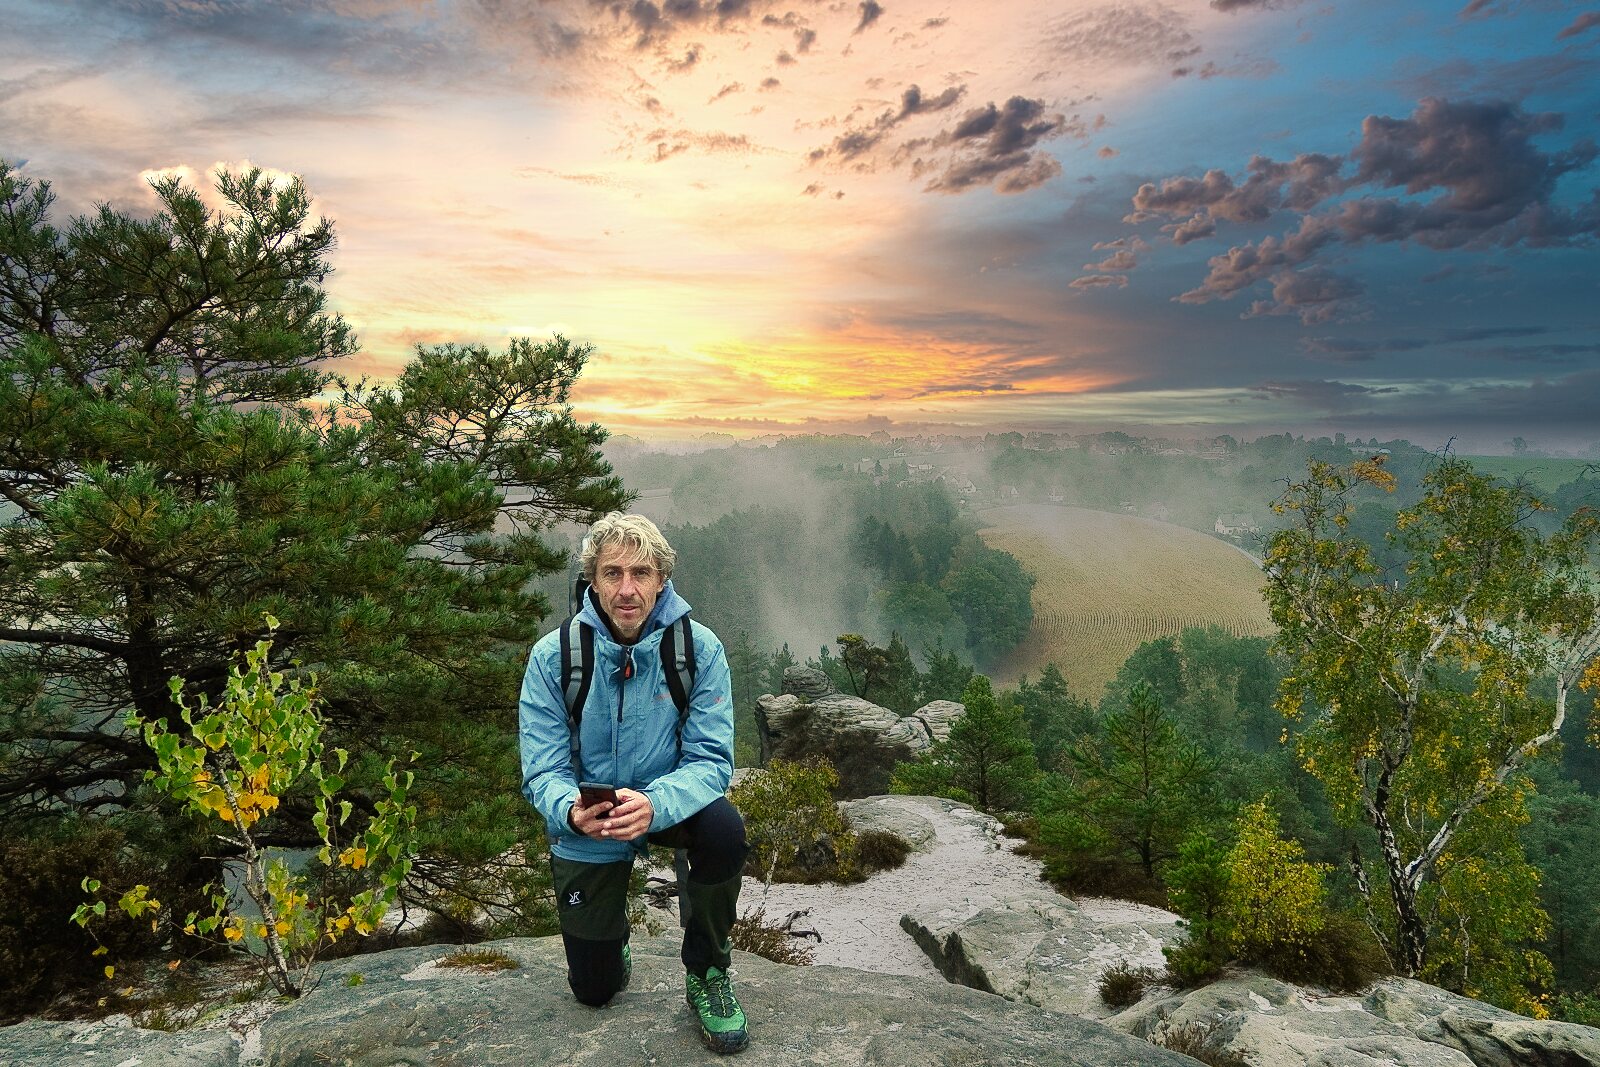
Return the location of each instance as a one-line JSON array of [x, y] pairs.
[[1261, 1022], [1040, 948], [862, 739], [408, 1011]]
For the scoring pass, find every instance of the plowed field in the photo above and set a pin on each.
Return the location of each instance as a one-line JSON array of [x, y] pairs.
[[1109, 582]]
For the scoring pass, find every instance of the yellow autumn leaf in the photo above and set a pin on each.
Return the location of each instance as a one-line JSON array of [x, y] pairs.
[[110, 970], [232, 933]]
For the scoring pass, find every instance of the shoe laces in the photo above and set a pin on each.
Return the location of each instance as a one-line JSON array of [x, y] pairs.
[[717, 990]]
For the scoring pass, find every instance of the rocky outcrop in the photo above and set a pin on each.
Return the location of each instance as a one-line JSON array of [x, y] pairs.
[[1260, 1022], [404, 1009], [892, 815], [1040, 948], [861, 739]]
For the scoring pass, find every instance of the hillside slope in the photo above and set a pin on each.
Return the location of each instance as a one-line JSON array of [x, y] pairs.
[[1109, 582]]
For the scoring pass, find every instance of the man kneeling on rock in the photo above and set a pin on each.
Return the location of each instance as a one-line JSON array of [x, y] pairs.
[[623, 656]]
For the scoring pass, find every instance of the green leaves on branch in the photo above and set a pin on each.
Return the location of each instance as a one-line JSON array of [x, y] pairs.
[[241, 758], [1419, 691]]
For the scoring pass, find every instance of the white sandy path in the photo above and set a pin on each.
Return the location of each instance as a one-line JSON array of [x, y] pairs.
[[969, 868]]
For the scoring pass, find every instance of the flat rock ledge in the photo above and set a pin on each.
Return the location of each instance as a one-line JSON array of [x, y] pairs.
[[1038, 948], [404, 1011], [1266, 1023]]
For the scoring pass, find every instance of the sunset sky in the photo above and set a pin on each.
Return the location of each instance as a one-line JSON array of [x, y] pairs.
[[802, 215]]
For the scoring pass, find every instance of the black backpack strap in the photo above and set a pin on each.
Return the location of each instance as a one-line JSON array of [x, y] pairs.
[[677, 663], [577, 671]]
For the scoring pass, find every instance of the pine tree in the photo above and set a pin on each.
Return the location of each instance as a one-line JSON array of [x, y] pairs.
[[175, 478], [1141, 783], [987, 761]]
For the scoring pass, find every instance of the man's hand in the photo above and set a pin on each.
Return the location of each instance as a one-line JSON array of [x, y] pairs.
[[629, 819], [588, 819]]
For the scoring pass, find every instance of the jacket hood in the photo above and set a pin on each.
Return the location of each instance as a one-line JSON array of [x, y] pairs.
[[670, 607]]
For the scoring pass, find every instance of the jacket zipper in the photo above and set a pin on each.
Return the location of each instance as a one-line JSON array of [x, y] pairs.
[[622, 686]]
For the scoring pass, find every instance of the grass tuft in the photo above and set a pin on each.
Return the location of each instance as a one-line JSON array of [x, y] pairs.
[[484, 959]]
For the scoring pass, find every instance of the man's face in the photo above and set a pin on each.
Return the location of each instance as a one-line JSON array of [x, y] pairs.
[[627, 583]]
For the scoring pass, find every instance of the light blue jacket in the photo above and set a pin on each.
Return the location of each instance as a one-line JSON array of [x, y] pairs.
[[629, 729]]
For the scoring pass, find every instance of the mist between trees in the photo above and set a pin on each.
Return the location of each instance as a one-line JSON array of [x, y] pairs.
[[173, 475]]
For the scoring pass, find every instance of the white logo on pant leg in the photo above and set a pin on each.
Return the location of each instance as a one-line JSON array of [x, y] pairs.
[[574, 898]]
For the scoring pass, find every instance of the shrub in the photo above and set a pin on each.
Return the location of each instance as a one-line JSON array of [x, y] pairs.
[[42, 954], [1197, 890], [1123, 984], [1345, 957], [1581, 1008], [791, 821], [879, 850], [483, 959], [248, 752], [1190, 1040], [752, 932], [1261, 903], [1274, 899]]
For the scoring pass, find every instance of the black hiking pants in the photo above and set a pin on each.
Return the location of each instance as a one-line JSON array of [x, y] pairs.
[[592, 901]]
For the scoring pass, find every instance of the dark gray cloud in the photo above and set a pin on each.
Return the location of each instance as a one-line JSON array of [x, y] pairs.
[[1122, 259], [967, 387], [1556, 354], [992, 145], [1300, 184], [1315, 294], [1451, 175], [1252, 5], [1354, 350], [663, 144], [871, 11], [852, 145], [1326, 396], [1503, 76], [1099, 281], [691, 56], [1362, 350], [1244, 265], [1586, 21], [804, 36], [1462, 335]]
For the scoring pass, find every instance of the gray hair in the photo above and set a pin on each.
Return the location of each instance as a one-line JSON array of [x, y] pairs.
[[634, 532]]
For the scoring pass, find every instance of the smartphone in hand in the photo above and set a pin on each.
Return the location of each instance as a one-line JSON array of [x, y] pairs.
[[595, 792]]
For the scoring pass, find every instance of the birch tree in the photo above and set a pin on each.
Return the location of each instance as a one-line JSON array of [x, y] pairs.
[[1425, 694]]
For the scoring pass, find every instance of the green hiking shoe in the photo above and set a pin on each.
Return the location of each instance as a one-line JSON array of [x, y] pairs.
[[721, 1019]]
